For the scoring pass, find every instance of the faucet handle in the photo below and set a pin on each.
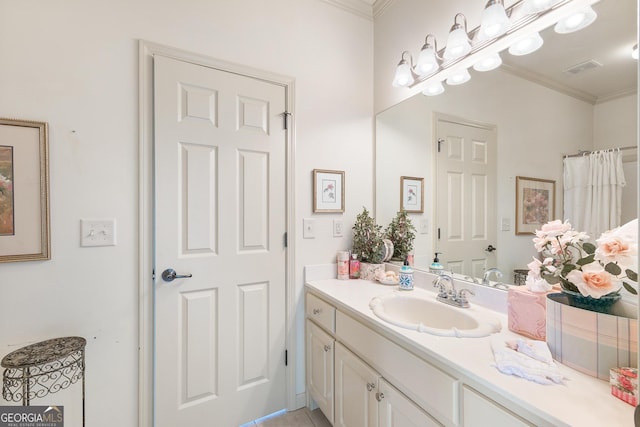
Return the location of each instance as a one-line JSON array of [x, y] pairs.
[[442, 289], [462, 295]]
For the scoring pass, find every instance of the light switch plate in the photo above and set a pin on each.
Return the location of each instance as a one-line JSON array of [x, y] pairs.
[[505, 224], [308, 228], [338, 228], [97, 232], [424, 226]]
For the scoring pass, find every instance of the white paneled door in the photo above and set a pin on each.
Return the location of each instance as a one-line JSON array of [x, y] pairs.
[[466, 196], [220, 219]]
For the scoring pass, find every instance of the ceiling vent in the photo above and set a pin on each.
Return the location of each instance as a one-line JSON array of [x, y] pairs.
[[583, 67]]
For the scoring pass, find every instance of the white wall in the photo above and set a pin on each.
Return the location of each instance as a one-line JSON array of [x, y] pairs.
[[74, 65]]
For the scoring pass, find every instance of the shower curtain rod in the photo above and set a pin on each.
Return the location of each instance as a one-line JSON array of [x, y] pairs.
[[584, 152]]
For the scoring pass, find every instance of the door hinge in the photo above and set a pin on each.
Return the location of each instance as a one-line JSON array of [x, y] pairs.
[[286, 358], [286, 240], [153, 274], [440, 141], [286, 115], [438, 233]]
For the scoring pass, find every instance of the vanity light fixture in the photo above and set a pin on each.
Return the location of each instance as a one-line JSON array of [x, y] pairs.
[[495, 21], [518, 33], [526, 45], [433, 89], [403, 76], [461, 77], [458, 43], [634, 52], [428, 59], [576, 21], [488, 63]]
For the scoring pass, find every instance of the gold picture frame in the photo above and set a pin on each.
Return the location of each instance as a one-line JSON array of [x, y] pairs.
[[328, 190], [535, 203], [412, 194], [24, 191]]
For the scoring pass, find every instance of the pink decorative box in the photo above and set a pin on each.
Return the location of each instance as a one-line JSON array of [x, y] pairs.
[[527, 312], [624, 384]]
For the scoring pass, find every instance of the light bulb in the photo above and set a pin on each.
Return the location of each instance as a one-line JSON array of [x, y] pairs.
[[433, 89], [427, 62], [403, 76], [495, 21], [526, 45], [459, 78], [576, 21]]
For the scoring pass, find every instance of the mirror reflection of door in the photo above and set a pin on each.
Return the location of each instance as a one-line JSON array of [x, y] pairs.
[[466, 224]]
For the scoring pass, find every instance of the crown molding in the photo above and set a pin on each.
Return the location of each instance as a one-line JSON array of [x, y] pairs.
[[379, 6], [362, 8]]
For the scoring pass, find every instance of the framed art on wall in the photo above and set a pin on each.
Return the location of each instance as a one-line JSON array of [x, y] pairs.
[[328, 191], [412, 194], [24, 191], [535, 203]]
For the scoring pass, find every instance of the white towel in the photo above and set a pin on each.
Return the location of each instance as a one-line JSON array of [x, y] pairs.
[[512, 362]]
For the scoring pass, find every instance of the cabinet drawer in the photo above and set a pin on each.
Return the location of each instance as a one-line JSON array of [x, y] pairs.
[[477, 409], [321, 313]]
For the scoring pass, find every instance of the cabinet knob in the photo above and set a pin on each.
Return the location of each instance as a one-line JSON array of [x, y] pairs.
[[370, 386], [327, 347], [379, 397], [317, 311]]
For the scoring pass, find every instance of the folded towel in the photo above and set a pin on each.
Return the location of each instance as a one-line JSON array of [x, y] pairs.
[[512, 362]]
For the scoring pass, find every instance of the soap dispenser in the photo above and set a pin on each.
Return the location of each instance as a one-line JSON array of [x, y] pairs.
[[406, 276], [436, 267]]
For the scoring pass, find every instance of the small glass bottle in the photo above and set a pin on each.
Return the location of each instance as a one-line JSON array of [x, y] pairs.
[[343, 265], [354, 267]]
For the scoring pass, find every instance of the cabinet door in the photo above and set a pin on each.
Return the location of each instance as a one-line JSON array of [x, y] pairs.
[[479, 410], [356, 387], [320, 348], [396, 410]]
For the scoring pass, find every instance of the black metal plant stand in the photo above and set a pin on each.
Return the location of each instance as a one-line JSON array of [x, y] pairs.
[[42, 368]]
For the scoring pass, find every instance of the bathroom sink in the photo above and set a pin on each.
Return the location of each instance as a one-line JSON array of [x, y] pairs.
[[421, 312]]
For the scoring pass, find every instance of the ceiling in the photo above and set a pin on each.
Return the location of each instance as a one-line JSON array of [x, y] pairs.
[[608, 41]]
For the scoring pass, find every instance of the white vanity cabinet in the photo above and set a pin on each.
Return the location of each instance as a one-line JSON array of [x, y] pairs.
[[477, 410], [395, 410], [356, 389], [320, 357]]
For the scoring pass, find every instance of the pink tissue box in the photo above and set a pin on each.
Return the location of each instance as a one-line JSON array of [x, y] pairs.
[[624, 384], [527, 312]]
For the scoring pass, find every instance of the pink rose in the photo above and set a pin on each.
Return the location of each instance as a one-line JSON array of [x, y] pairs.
[[593, 280], [618, 245]]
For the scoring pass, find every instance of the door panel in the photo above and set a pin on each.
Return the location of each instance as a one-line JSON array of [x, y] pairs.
[[466, 205], [220, 215]]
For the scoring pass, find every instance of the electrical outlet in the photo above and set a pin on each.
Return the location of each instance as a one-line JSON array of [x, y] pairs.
[[338, 228], [97, 232], [308, 228]]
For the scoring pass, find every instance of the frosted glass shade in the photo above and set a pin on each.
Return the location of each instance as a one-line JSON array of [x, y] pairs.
[[403, 76], [495, 22], [526, 45], [427, 62], [537, 6], [576, 21], [459, 78], [433, 89], [488, 63], [457, 44]]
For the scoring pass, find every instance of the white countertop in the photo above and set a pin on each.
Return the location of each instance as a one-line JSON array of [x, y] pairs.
[[581, 401]]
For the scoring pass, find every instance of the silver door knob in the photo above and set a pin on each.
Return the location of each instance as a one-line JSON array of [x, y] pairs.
[[169, 275]]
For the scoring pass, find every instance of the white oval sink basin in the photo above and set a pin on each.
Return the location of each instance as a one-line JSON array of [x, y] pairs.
[[423, 313]]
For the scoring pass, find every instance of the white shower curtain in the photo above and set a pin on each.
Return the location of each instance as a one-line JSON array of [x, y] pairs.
[[593, 191]]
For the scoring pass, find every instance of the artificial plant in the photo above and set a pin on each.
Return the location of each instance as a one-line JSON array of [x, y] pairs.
[[368, 238], [401, 232]]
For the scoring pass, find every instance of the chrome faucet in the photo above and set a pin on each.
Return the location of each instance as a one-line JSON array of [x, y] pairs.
[[487, 274], [451, 296]]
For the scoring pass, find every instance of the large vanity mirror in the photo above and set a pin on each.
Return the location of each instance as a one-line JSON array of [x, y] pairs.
[[578, 92]]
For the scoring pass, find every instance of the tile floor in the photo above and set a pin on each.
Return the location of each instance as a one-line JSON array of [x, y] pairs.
[[300, 418]]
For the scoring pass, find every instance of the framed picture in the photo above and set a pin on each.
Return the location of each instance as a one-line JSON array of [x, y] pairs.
[[412, 194], [328, 191], [24, 191], [535, 203]]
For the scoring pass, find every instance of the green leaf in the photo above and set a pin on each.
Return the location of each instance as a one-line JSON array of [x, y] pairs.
[[589, 248], [613, 268], [568, 268], [552, 280], [586, 260], [632, 275], [630, 288]]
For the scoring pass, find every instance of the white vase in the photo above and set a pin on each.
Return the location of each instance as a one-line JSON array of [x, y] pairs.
[[368, 270]]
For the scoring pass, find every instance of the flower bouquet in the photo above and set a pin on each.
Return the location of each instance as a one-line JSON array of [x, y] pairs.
[[591, 275]]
